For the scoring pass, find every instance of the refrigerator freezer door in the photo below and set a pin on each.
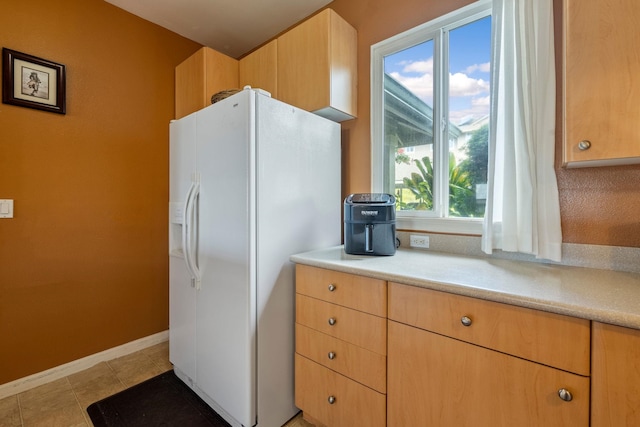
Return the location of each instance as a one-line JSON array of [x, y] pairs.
[[182, 296], [182, 318], [182, 165]]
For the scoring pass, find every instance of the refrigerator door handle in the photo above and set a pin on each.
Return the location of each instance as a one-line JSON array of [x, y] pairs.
[[189, 232]]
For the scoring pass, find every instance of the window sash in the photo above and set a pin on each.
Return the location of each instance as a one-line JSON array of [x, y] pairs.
[[438, 31]]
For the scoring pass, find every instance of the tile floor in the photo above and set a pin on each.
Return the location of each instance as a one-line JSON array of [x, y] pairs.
[[63, 403]]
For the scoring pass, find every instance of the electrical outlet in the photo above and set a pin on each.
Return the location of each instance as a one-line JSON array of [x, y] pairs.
[[418, 241]]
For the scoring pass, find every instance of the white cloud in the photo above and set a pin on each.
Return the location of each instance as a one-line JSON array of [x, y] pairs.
[[421, 86], [482, 102], [419, 67], [484, 68], [462, 85], [417, 77]]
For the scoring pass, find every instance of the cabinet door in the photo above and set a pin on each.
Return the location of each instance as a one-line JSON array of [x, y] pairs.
[[434, 380], [601, 82], [259, 69], [317, 65], [615, 376], [203, 74]]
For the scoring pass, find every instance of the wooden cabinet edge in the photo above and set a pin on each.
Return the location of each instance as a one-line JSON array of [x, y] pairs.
[[195, 82]]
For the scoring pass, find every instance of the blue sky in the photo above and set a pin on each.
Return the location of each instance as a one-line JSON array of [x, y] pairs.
[[468, 70]]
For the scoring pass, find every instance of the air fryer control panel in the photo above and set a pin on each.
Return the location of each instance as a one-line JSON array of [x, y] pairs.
[[371, 198]]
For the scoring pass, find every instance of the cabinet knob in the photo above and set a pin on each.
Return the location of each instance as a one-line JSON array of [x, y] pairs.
[[332, 287], [332, 321], [331, 400], [331, 355], [584, 145], [465, 320], [565, 395]]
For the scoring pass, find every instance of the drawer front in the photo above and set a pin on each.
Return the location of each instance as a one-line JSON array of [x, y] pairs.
[[357, 363], [349, 290], [353, 404], [551, 339], [435, 380], [355, 327]]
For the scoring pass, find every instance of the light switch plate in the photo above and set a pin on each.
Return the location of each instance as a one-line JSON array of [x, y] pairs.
[[6, 208]]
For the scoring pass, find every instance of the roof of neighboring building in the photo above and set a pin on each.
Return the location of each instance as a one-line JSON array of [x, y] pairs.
[[408, 117]]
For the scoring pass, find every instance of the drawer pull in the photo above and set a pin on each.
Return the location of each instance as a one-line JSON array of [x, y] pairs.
[[331, 355], [332, 321], [332, 287], [565, 395], [584, 145], [465, 320], [331, 400]]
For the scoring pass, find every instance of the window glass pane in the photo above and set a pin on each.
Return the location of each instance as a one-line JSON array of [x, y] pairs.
[[408, 126], [468, 101]]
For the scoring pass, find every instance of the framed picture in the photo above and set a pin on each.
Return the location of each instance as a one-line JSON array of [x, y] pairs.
[[32, 82]]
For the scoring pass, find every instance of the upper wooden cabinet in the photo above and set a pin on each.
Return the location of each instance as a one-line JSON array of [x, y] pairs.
[[203, 74], [312, 66], [259, 69], [317, 65], [601, 83]]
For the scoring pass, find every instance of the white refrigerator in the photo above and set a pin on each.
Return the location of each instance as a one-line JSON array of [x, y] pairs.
[[252, 181]]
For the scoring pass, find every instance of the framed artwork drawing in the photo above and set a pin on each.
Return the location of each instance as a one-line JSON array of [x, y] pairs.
[[32, 82]]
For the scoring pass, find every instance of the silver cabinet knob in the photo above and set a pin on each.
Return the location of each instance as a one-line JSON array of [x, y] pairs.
[[331, 355], [331, 400], [332, 321], [465, 320], [565, 395], [584, 145], [332, 287]]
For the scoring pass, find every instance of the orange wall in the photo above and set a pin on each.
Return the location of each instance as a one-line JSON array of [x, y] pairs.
[[83, 265], [599, 206]]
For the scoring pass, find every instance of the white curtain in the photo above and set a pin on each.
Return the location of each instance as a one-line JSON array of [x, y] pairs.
[[523, 210]]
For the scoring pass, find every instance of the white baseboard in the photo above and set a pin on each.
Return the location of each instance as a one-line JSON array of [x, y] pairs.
[[26, 383]]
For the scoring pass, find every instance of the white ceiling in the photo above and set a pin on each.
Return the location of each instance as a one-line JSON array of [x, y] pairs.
[[233, 27]]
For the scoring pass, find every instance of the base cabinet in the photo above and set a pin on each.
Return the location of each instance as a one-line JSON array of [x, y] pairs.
[[616, 376], [376, 353], [459, 361], [341, 348]]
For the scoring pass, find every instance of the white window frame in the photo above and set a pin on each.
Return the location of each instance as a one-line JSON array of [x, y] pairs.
[[433, 30]]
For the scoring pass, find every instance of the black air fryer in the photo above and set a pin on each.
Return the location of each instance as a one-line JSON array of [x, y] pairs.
[[370, 224]]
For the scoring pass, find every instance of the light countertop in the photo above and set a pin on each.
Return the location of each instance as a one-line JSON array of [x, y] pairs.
[[601, 295]]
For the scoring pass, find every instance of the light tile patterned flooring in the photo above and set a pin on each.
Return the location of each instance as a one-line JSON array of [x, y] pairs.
[[63, 403]]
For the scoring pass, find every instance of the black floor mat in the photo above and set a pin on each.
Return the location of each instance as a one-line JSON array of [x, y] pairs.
[[161, 401]]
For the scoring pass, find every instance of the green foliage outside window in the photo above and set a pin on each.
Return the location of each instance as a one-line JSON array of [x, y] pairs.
[[417, 190]]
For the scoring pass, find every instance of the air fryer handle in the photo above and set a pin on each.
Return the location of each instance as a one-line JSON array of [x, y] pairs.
[[368, 238]]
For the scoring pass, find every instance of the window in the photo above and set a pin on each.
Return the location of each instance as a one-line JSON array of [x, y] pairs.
[[430, 120]]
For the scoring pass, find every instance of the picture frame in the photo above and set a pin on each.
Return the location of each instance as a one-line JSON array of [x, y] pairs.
[[32, 82]]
